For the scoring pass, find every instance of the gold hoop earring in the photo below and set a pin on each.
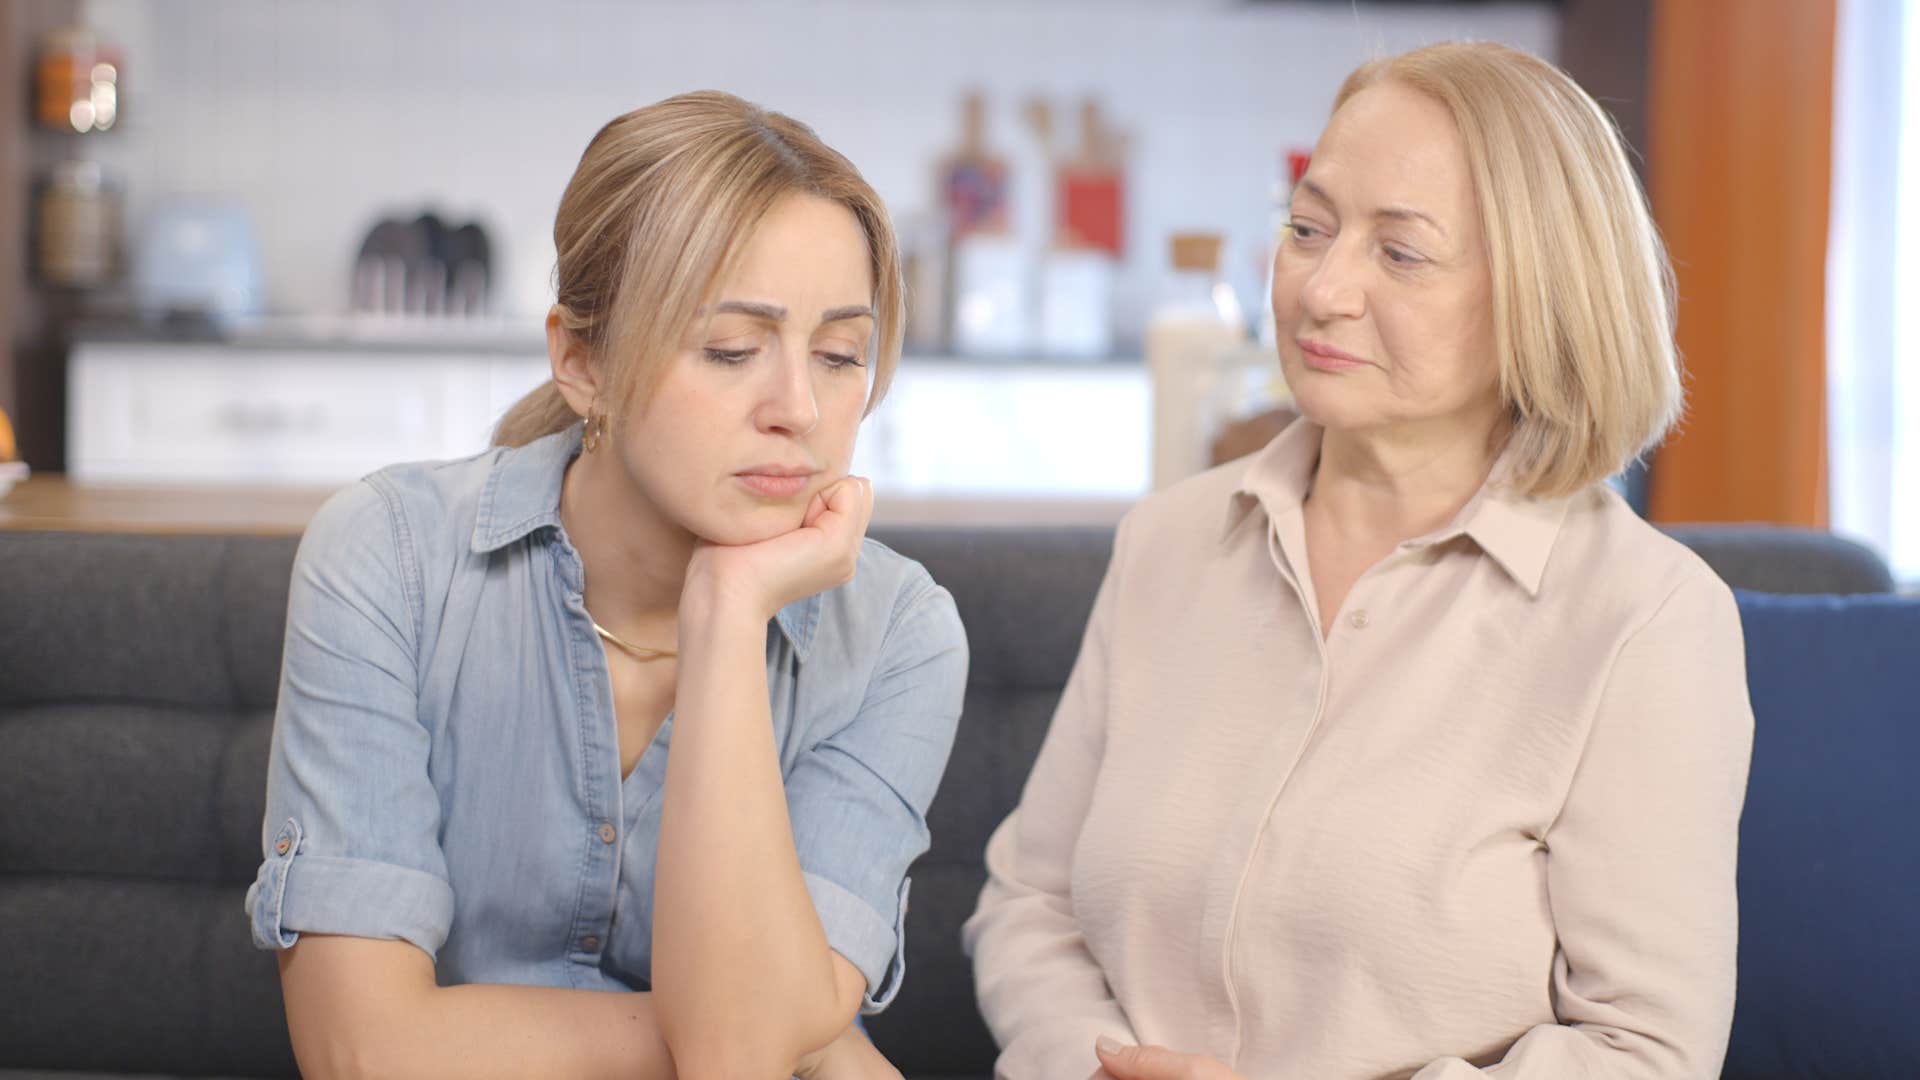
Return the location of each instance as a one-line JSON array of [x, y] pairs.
[[596, 430]]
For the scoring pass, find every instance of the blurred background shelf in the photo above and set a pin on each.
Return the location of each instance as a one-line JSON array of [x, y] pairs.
[[58, 504], [272, 160], [269, 410]]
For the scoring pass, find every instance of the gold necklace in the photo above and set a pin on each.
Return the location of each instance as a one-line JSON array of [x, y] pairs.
[[638, 652]]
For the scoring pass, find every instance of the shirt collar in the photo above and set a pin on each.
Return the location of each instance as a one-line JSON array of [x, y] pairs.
[[522, 491], [1517, 532], [1277, 477], [522, 494]]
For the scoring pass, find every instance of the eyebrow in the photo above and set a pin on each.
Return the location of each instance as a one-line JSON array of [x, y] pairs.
[[1396, 213], [775, 313]]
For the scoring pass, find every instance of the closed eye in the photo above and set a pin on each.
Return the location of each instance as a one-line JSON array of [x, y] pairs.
[[730, 357], [841, 360]]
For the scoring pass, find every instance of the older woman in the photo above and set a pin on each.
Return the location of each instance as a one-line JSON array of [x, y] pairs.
[[1403, 747]]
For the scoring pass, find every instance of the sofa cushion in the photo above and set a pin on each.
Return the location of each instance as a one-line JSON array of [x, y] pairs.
[[123, 974], [1779, 559], [1829, 873], [1024, 595], [192, 621], [169, 794]]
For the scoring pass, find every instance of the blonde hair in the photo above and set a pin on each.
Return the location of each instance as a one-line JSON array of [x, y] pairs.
[[1583, 294], [658, 209]]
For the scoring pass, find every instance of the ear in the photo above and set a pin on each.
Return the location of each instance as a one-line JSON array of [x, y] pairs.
[[573, 369]]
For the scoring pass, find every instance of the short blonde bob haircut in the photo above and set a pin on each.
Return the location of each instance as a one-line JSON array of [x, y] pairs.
[[657, 212], [1583, 295]]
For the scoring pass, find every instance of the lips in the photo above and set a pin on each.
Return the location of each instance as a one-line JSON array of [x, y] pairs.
[[1321, 357], [775, 481]]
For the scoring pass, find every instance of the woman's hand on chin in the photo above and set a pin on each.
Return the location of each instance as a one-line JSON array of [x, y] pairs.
[[759, 579]]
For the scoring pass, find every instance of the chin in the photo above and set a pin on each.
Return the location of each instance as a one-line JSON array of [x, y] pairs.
[[1330, 408], [736, 527], [1317, 397]]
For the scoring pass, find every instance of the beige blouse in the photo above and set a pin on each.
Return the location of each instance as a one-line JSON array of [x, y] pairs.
[[1486, 827]]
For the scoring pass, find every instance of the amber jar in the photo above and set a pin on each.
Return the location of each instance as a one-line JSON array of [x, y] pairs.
[[77, 82]]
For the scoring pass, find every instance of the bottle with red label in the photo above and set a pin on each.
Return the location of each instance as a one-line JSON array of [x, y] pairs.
[[1293, 165]]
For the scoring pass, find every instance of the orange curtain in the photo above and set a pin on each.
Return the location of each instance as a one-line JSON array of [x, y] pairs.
[[1740, 132]]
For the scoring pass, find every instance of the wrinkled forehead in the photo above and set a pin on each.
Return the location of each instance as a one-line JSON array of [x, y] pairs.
[[1390, 146]]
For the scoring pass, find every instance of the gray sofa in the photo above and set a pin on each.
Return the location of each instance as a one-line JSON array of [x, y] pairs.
[[137, 679]]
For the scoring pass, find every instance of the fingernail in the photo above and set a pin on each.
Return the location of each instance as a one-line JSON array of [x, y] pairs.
[[1107, 1044]]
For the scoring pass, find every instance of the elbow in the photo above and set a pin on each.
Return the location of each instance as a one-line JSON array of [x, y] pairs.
[[725, 1058], [349, 1055], [764, 1034], [819, 1025], [751, 1044]]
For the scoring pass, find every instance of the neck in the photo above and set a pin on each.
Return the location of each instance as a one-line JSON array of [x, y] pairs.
[[1393, 484], [635, 560]]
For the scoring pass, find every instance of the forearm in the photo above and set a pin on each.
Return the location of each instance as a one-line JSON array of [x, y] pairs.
[[745, 975], [1552, 1051], [512, 1031], [1040, 990], [361, 1018]]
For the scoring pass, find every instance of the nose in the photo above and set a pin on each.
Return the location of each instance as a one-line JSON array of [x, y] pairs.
[[1333, 288], [787, 405]]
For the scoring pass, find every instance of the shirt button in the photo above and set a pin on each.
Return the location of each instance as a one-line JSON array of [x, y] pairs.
[[1358, 620], [281, 847], [607, 833], [590, 943]]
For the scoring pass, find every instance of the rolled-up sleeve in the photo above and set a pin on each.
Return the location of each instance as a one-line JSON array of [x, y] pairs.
[[858, 799], [350, 834]]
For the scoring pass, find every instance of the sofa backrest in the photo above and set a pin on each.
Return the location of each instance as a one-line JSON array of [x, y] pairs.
[[1829, 855], [137, 677], [1024, 596], [1774, 559]]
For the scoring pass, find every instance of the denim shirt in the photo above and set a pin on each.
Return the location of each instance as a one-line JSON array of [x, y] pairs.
[[445, 766]]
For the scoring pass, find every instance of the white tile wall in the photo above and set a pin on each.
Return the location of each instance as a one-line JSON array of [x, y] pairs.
[[320, 115]]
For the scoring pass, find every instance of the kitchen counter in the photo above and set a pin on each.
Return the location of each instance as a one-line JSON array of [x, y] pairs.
[[51, 502], [343, 334], [516, 336]]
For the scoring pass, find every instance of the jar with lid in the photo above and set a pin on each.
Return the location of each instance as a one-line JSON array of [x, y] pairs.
[[1195, 325], [77, 221]]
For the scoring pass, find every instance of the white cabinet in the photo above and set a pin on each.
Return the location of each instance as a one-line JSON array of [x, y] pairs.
[[302, 416], [195, 413], [998, 429]]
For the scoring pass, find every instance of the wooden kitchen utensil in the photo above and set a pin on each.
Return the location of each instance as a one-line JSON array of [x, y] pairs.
[[973, 182]]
